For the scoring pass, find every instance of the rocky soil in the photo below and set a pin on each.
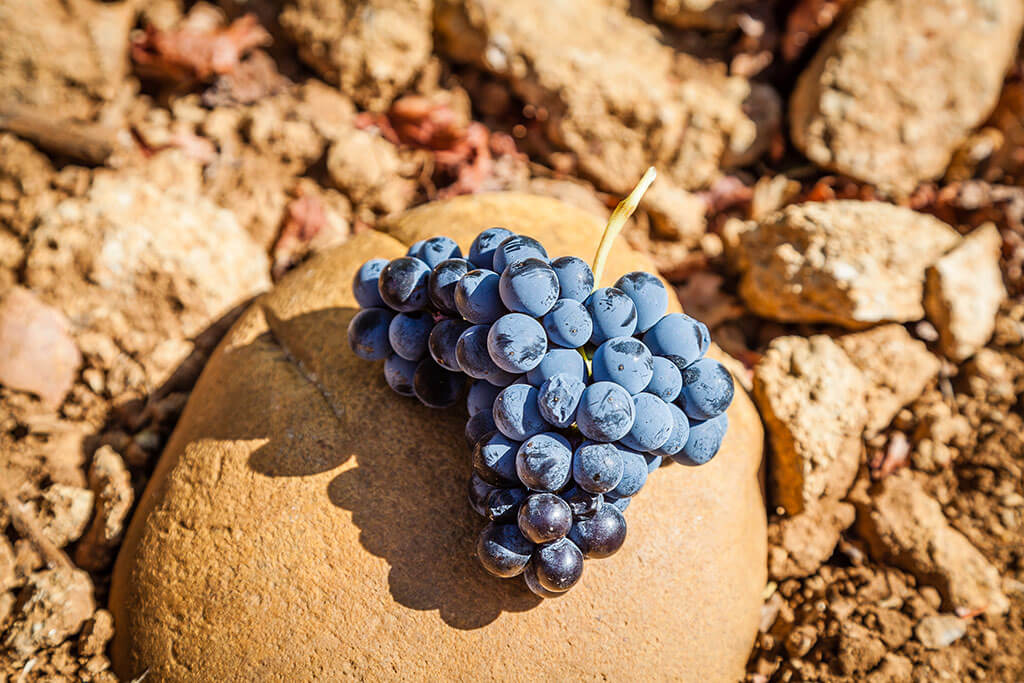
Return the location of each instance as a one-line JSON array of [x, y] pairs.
[[857, 248]]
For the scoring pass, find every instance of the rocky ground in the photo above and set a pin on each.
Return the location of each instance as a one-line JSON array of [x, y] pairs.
[[859, 249]]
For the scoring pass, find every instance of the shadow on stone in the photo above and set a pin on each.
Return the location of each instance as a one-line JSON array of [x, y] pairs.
[[407, 488]]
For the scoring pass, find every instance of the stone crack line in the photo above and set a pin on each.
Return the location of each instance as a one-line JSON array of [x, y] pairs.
[[278, 340]]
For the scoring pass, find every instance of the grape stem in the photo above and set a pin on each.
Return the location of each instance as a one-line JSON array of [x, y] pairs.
[[617, 220]]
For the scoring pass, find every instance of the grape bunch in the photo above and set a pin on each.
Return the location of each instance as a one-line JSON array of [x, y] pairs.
[[576, 396]]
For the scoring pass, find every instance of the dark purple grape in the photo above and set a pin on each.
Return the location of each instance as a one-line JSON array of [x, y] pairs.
[[601, 534], [503, 550], [436, 387], [544, 517]]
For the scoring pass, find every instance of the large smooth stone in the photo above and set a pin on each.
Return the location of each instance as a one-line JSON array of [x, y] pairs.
[[307, 523]]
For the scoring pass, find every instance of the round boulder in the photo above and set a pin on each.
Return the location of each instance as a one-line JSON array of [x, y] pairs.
[[306, 523]]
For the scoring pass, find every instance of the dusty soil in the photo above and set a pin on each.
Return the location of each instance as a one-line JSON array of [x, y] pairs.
[[172, 159]]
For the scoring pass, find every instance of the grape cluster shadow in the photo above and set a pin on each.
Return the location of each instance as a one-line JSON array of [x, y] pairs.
[[407, 488]]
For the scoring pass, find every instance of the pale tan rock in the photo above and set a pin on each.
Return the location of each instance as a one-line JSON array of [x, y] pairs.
[[904, 525], [963, 292], [304, 519], [900, 83], [850, 263], [111, 482], [52, 606], [64, 57], [141, 264], [798, 545], [937, 631], [679, 116], [64, 512], [371, 50], [897, 368], [96, 633], [367, 168], [37, 353], [811, 397], [859, 648], [675, 214]]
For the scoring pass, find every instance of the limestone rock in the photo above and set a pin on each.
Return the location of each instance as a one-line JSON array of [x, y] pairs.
[[367, 168], [64, 512], [850, 263], [305, 519], [52, 606], [963, 292], [897, 368], [371, 50], [811, 397], [900, 83], [904, 525], [66, 57], [798, 545], [141, 265], [680, 116], [939, 630], [111, 482], [37, 353]]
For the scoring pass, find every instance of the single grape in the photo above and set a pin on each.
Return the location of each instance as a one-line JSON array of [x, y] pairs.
[[634, 474], [364, 285], [666, 380], [575, 278], [558, 565], [653, 462], [501, 504], [435, 250], [474, 359], [619, 504], [648, 295], [415, 249], [605, 412], [403, 284], [494, 459], [582, 503], [481, 252], [530, 577], [517, 248], [409, 332], [625, 361], [543, 462], [652, 426], [597, 467], [443, 280], [477, 297], [558, 362], [678, 335], [707, 389], [517, 343], [399, 373], [600, 535], [529, 286], [503, 550], [680, 432], [368, 333], [478, 426], [480, 398], [478, 492], [442, 342], [544, 517], [436, 387], [705, 440], [612, 313], [516, 413], [568, 324], [558, 399]]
